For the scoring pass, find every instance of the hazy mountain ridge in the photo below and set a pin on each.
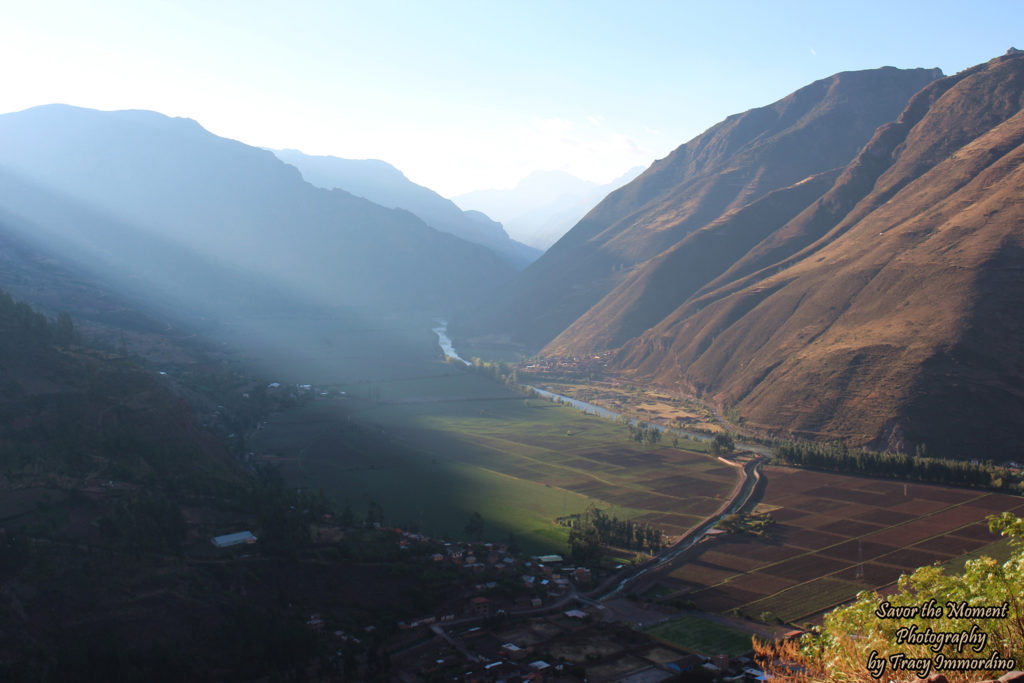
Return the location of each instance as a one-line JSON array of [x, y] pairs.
[[383, 184], [883, 329], [818, 128], [168, 182]]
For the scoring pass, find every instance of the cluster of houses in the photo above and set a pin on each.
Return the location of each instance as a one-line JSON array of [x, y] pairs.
[[549, 577], [538, 578], [477, 557], [568, 646], [299, 391], [500, 585], [592, 364]]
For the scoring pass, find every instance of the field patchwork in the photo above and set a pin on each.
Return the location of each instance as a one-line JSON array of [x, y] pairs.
[[835, 535], [433, 449]]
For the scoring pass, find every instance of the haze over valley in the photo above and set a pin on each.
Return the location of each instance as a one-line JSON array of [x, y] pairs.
[[544, 205]]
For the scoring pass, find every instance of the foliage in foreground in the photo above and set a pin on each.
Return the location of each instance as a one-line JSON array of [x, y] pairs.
[[856, 634]]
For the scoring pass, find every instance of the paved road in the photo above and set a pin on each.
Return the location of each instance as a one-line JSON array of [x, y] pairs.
[[609, 593], [667, 559]]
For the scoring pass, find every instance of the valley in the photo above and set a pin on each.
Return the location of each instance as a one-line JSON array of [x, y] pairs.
[[753, 388], [454, 440], [493, 450]]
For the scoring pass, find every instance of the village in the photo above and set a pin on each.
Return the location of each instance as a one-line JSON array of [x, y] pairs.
[[502, 615], [511, 617]]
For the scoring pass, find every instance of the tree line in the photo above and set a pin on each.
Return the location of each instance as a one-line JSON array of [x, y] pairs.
[[499, 372], [594, 529], [838, 457], [21, 325], [643, 432]]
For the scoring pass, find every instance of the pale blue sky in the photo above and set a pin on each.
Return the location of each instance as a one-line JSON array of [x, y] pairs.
[[471, 95]]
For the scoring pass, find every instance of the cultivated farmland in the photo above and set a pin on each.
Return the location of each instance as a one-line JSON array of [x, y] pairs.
[[434, 446], [431, 449], [835, 535]]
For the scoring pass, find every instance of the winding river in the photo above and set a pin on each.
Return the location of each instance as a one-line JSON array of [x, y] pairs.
[[446, 342], [449, 350], [589, 408]]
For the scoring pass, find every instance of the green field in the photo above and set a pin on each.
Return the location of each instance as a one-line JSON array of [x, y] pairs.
[[800, 600], [435, 447], [702, 635]]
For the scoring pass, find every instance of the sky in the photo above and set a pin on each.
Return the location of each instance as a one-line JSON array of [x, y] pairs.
[[464, 96]]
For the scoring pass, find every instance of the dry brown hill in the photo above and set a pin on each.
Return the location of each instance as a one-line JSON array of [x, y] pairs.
[[886, 312], [737, 162]]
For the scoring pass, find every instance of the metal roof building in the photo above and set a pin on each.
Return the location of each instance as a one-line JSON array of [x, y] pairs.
[[236, 538]]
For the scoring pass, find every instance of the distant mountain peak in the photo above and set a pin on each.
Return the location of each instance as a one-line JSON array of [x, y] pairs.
[[382, 183], [543, 205]]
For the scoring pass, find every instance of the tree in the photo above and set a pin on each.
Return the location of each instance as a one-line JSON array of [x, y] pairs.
[[374, 513], [348, 518], [584, 543], [64, 332], [722, 443], [475, 526]]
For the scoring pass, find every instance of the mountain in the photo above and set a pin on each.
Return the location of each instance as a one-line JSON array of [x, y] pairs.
[[886, 312], [384, 184], [209, 222], [544, 205], [741, 160], [875, 301]]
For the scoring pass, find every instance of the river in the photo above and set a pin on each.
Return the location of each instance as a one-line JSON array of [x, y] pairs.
[[446, 342], [449, 350]]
